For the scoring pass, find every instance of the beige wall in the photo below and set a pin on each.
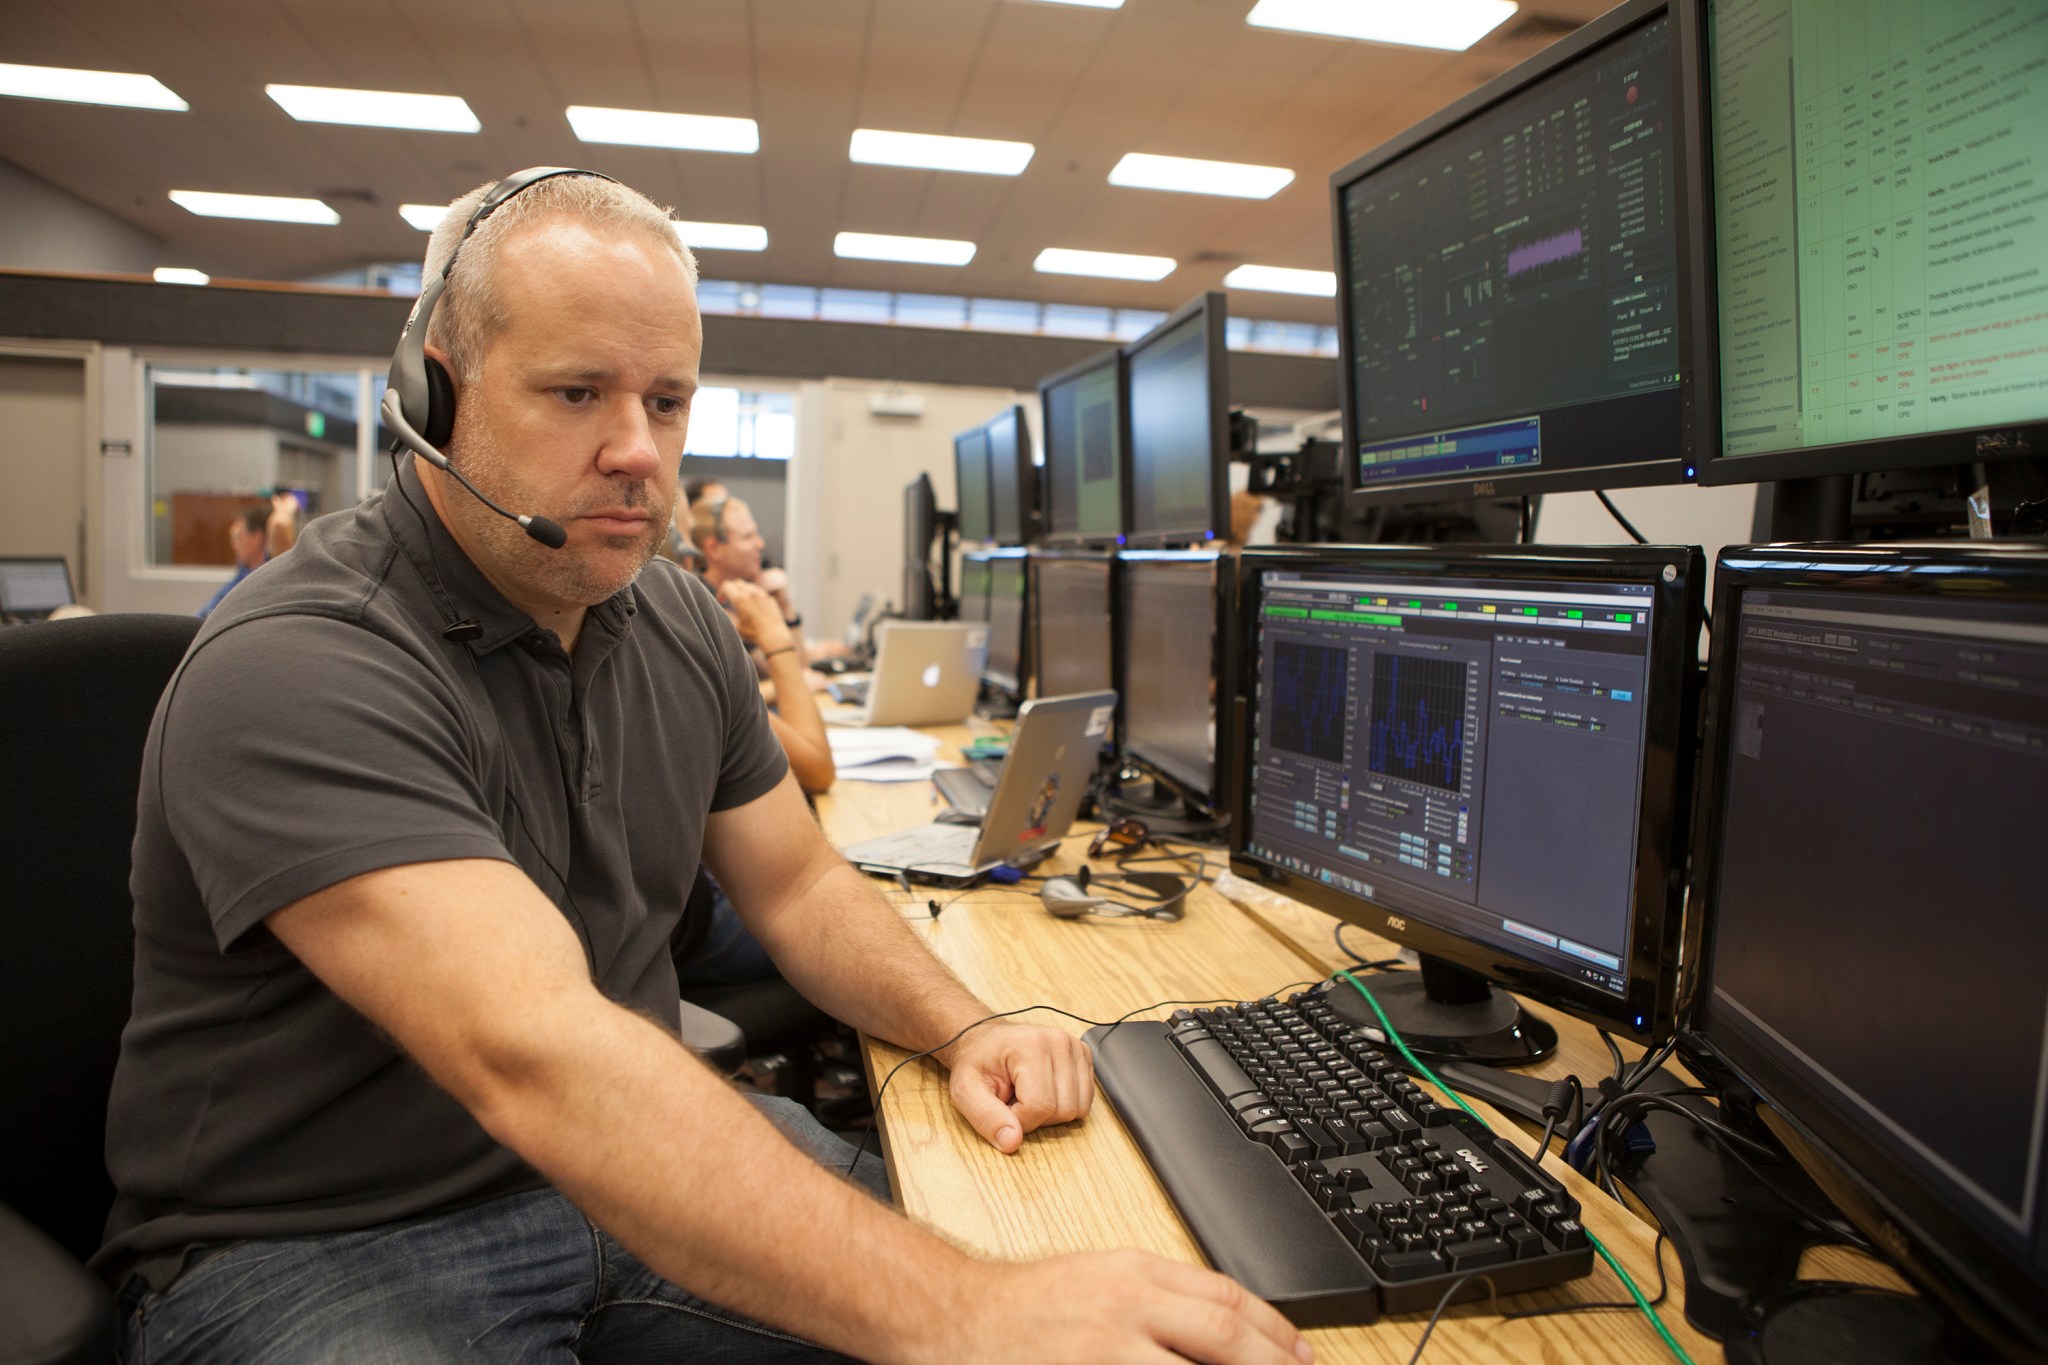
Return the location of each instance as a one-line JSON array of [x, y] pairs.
[[43, 458]]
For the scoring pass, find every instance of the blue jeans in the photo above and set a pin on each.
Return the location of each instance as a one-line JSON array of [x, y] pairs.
[[729, 954], [521, 1279]]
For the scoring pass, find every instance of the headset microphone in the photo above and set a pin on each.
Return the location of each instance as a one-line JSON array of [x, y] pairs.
[[541, 529]]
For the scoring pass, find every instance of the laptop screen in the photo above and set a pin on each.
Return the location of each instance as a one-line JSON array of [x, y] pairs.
[[34, 587]]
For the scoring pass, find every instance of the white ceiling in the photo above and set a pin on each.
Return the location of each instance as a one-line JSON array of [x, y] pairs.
[[1179, 77]]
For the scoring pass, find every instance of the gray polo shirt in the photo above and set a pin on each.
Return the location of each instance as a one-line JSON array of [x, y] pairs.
[[322, 726]]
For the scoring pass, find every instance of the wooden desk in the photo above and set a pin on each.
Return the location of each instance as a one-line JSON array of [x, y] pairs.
[[1085, 1185]]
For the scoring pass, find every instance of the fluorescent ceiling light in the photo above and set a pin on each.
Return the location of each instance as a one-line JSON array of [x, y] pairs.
[[1279, 279], [872, 246], [1091, 4], [1452, 25], [1190, 176], [375, 108], [648, 128], [128, 89], [265, 207], [425, 217], [723, 236], [929, 151], [1110, 265], [178, 274]]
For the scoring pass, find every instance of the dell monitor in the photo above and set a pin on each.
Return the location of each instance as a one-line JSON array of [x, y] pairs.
[[1008, 591], [1085, 440], [1877, 237], [920, 528], [1484, 754], [971, 479], [1179, 412], [1872, 785], [1515, 285], [1173, 616], [1012, 479], [1073, 638]]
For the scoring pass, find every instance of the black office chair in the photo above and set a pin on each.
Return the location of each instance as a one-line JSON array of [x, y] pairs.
[[76, 699]]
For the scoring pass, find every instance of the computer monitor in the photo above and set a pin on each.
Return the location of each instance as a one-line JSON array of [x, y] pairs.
[[1012, 479], [920, 528], [1178, 402], [31, 587], [971, 479], [1085, 440], [1515, 284], [1876, 236], [1008, 595], [1073, 637], [1868, 870], [1484, 754], [1173, 618], [974, 578]]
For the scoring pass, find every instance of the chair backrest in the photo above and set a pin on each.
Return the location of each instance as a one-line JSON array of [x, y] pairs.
[[76, 698]]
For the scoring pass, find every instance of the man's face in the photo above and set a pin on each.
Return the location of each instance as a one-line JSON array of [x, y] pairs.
[[579, 413], [738, 555], [247, 545]]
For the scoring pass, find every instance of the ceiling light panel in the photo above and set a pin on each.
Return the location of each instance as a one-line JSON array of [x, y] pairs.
[[1450, 25], [425, 217], [650, 128], [1108, 265], [723, 236], [872, 246], [127, 89], [375, 108], [1188, 175], [1280, 279], [929, 151], [262, 207], [178, 274], [1087, 4]]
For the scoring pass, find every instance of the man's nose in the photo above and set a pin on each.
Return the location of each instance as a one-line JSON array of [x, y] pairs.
[[629, 446]]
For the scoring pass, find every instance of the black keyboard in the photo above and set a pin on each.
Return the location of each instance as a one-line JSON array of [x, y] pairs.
[[1312, 1170], [970, 789]]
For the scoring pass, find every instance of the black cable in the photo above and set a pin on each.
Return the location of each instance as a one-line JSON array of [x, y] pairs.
[[1370, 964], [1543, 1147], [1560, 1309], [1620, 1067], [1528, 518], [1492, 1303], [1608, 503]]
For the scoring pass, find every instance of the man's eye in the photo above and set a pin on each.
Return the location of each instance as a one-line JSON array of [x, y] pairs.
[[576, 397], [668, 406]]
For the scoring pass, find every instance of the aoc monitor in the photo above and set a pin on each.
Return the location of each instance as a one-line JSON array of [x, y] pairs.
[[1178, 404], [1515, 286], [1086, 440], [1486, 755]]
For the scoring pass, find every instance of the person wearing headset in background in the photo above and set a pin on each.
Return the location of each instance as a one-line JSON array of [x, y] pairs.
[[255, 537], [402, 1079], [726, 534]]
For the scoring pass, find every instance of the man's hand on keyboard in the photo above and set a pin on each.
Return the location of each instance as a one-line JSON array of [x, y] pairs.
[[1008, 1079], [1105, 1308]]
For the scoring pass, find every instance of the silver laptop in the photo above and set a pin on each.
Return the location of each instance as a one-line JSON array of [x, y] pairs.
[[1053, 754], [926, 673]]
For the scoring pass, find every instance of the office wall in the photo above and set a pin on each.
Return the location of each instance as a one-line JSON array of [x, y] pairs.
[[43, 228], [43, 426]]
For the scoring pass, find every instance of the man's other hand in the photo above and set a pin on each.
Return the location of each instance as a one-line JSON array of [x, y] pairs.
[[1009, 1078], [755, 613], [1117, 1307]]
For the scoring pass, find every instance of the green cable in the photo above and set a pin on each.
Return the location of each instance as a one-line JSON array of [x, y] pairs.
[[1394, 1037]]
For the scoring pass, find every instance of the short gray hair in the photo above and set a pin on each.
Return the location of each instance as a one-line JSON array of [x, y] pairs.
[[470, 314]]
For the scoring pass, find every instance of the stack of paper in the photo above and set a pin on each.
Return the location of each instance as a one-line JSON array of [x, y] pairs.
[[884, 753]]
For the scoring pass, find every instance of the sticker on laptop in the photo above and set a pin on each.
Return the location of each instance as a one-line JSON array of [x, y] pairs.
[[1098, 719], [977, 639]]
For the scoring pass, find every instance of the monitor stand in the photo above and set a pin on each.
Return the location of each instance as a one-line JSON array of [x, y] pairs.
[[994, 705], [1446, 1013]]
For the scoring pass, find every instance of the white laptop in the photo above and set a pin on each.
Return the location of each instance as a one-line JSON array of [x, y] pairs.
[[1053, 758], [926, 673]]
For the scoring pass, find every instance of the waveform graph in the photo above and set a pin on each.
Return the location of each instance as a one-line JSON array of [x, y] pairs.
[[1418, 720], [1533, 261], [1310, 686]]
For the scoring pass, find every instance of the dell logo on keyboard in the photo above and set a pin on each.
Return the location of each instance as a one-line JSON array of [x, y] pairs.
[[1397, 924], [1465, 1155]]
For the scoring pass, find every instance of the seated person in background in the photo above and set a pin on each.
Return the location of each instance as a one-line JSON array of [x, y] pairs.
[[419, 815], [255, 537], [726, 534], [680, 548]]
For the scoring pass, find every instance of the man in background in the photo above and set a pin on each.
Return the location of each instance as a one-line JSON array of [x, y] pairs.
[[255, 538]]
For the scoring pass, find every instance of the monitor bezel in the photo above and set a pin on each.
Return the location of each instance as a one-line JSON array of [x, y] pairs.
[[1112, 358], [1215, 800], [1025, 474], [1953, 446], [1659, 933], [1042, 556], [920, 505], [959, 482], [1213, 307], [1011, 688], [1881, 1195], [1693, 336]]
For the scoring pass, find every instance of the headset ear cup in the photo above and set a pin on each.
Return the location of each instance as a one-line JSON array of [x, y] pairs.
[[440, 423]]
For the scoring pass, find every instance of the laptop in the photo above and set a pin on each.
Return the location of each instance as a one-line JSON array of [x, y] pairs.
[[926, 673], [1053, 754], [32, 588]]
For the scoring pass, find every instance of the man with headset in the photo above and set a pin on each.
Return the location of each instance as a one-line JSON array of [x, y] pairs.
[[418, 814]]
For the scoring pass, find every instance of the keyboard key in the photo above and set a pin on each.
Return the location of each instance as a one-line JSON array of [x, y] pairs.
[[1407, 1265], [1477, 1254], [1568, 1234], [1217, 1068]]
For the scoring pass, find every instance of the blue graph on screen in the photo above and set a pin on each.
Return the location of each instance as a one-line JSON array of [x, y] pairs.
[[1308, 700], [1418, 719]]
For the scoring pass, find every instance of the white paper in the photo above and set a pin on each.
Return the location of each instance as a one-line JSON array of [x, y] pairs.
[[862, 748]]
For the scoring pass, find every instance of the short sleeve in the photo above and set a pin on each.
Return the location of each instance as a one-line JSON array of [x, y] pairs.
[[296, 752]]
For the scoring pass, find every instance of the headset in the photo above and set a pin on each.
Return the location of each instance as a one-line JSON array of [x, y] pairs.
[[1160, 895], [419, 400]]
